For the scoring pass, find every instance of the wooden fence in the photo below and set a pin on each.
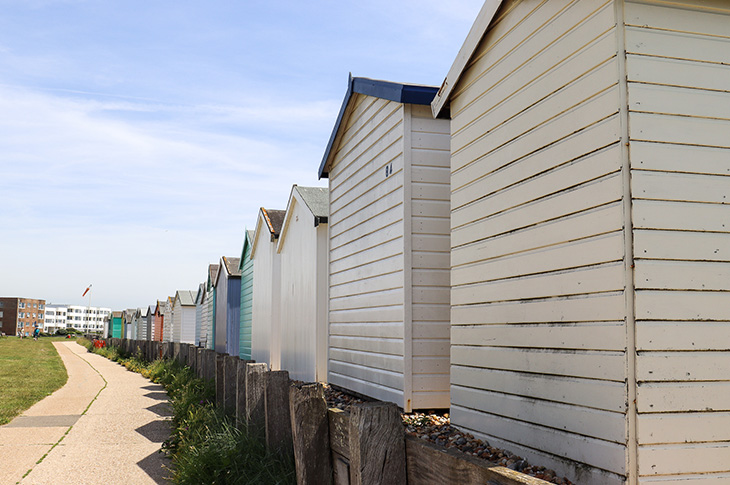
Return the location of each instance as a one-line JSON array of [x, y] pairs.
[[364, 446]]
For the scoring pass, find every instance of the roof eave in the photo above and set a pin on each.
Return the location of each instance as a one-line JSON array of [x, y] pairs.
[[477, 31], [398, 92]]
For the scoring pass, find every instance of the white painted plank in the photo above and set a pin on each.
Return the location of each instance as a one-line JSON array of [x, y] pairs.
[[683, 366], [679, 129], [587, 364], [600, 307], [687, 479], [584, 336], [679, 101], [368, 329], [376, 299], [676, 72], [430, 277], [593, 279], [431, 294], [432, 349], [431, 242], [676, 45], [425, 329], [430, 382], [610, 396], [430, 208], [595, 423], [683, 428], [688, 246], [574, 254], [684, 458], [435, 192], [682, 335], [680, 186], [682, 305], [431, 164], [682, 275], [368, 315], [679, 158], [683, 216], [430, 321], [430, 225], [688, 19], [661, 397]]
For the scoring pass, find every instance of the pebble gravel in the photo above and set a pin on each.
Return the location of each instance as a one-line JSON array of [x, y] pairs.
[[436, 428]]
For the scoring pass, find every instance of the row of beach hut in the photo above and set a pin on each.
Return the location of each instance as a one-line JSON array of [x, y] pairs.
[[540, 244]]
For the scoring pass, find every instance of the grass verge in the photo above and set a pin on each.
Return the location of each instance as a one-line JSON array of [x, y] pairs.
[[205, 445], [29, 371]]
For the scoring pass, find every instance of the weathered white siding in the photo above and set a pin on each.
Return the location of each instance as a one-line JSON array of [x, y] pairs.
[[388, 242], [538, 356], [302, 248], [366, 306], [678, 66], [265, 325], [429, 256]]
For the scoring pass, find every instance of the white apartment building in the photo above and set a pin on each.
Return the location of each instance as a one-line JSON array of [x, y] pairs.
[[85, 319]]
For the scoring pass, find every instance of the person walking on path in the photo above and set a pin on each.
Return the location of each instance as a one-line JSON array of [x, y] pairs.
[[106, 425]]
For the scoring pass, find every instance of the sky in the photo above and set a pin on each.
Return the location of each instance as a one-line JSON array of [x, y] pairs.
[[138, 139]]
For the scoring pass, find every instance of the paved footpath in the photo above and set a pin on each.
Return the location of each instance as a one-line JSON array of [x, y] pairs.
[[105, 426]]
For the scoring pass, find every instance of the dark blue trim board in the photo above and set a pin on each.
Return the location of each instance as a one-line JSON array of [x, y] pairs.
[[400, 93]]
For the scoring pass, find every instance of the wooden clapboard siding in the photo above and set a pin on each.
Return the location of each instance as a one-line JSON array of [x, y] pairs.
[[265, 327], [679, 106], [430, 245], [538, 341], [389, 253], [366, 249], [246, 300], [302, 249]]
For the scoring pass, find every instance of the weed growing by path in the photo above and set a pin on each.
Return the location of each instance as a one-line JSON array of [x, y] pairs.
[[205, 445], [29, 371]]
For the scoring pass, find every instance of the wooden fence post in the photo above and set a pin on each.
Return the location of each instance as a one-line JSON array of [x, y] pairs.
[[241, 391], [210, 356], [220, 379], [278, 420], [255, 395], [377, 444], [310, 434], [230, 373]]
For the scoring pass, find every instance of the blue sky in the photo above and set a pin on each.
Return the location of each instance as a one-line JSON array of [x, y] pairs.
[[139, 138]]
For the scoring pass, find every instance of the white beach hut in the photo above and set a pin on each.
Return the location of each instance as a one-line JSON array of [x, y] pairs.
[[387, 163], [265, 325], [302, 247], [183, 317], [590, 244]]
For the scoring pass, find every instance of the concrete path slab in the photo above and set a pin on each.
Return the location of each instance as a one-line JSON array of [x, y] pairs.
[[104, 426]]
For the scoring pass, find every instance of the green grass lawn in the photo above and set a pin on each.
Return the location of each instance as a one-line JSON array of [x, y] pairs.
[[29, 371]]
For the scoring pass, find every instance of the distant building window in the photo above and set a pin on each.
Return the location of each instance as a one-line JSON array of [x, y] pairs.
[[35, 305]]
